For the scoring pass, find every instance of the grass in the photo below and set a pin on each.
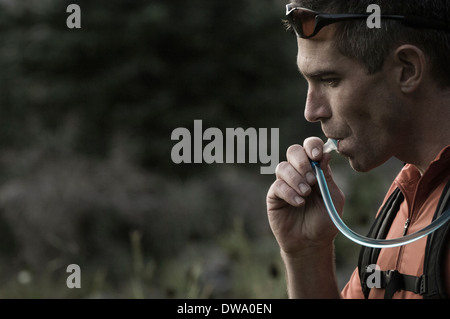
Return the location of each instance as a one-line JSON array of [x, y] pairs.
[[138, 234]]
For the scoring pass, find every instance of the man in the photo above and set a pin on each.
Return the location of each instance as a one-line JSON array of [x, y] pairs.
[[381, 93]]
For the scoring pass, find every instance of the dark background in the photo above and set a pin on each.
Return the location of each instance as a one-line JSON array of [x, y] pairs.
[[86, 177]]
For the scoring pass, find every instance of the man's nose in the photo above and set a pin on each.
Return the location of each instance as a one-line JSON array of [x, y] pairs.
[[317, 107]]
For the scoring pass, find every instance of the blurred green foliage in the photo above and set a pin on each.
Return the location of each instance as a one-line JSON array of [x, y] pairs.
[[85, 171], [138, 69]]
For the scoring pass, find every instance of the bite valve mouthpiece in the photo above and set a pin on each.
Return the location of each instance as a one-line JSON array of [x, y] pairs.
[[330, 145]]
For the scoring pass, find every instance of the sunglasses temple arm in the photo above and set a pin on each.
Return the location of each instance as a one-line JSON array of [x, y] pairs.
[[412, 21], [420, 22], [327, 19]]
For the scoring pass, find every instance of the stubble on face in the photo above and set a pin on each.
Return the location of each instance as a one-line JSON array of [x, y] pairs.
[[359, 109]]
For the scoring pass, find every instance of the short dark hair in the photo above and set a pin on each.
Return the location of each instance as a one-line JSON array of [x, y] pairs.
[[372, 46]]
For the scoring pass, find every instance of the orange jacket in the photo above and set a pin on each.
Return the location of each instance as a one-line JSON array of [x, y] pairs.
[[422, 194]]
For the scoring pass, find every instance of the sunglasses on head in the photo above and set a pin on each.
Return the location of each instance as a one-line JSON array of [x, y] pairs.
[[307, 23]]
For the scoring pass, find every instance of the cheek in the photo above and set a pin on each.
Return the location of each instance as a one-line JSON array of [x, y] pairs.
[[353, 111], [368, 106], [353, 96]]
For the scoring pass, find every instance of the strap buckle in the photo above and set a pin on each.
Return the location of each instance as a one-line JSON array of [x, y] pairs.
[[421, 285]]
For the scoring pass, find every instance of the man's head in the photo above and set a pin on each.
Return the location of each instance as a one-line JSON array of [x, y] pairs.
[[368, 87], [371, 46]]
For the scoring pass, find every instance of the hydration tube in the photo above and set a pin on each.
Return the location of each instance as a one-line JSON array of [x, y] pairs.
[[359, 239]]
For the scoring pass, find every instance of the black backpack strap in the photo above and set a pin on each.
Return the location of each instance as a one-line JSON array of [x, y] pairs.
[[437, 247], [393, 281], [431, 283], [380, 228]]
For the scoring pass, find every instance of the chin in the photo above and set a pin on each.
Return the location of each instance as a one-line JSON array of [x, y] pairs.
[[362, 166]]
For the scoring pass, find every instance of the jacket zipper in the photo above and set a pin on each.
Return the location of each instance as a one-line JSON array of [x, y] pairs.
[[405, 228]]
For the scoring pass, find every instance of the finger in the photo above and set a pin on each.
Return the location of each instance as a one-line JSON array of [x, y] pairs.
[[280, 190], [293, 178], [314, 148], [298, 158], [324, 164]]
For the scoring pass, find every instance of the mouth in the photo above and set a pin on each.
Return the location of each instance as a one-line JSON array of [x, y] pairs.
[[337, 139], [338, 142], [342, 149]]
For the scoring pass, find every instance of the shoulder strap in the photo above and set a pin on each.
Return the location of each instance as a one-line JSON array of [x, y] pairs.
[[380, 228], [437, 246], [431, 283]]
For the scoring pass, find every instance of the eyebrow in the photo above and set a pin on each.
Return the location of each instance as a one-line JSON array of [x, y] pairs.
[[318, 74]]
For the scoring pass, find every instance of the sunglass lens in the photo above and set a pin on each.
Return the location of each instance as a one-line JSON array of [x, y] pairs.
[[303, 22]]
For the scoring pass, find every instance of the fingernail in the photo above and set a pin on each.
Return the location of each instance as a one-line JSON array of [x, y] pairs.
[[310, 178], [299, 200], [304, 188], [315, 152]]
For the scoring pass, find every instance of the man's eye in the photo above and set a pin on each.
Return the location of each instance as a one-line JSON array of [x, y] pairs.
[[332, 82]]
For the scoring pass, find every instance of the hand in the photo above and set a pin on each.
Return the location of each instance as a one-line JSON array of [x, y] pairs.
[[297, 214]]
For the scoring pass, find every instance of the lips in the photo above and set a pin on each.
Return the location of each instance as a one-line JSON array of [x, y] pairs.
[[338, 141], [341, 149], [334, 137]]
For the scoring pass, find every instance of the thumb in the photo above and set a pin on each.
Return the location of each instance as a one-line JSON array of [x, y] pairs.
[[325, 166], [326, 169]]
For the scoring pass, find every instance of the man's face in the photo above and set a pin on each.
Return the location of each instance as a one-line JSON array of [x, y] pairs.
[[362, 111]]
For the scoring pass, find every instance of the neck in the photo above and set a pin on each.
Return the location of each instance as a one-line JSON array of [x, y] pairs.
[[428, 155], [429, 133]]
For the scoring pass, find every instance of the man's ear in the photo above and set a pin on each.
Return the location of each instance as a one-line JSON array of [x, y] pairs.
[[410, 62]]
